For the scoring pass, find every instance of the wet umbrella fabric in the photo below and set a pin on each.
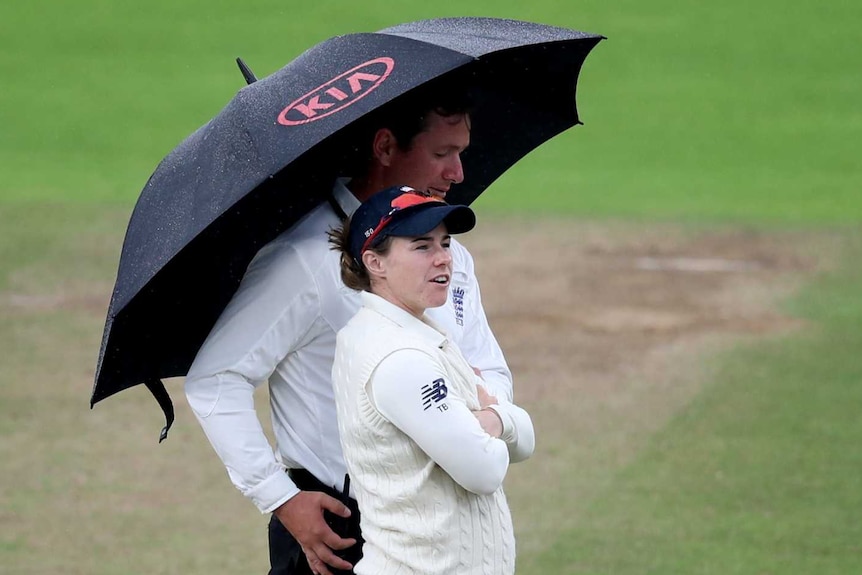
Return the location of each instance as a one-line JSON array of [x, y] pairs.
[[271, 155]]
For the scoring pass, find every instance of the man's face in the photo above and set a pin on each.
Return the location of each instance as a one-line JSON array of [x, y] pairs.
[[433, 162]]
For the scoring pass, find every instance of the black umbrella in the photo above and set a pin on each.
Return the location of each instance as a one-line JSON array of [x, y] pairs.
[[271, 154]]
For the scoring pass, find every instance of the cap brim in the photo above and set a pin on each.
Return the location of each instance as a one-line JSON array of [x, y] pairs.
[[422, 219]]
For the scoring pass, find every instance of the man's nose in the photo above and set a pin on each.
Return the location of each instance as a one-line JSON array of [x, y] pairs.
[[455, 170]]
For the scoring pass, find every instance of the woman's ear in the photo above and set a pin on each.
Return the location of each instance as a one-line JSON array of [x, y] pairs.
[[383, 146], [374, 263]]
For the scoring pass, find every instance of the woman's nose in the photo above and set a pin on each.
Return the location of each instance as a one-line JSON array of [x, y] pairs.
[[444, 257]]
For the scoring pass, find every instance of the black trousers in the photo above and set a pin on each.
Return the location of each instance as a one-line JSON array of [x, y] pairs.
[[285, 554]]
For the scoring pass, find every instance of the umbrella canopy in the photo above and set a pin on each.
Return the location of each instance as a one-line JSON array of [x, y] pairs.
[[272, 153]]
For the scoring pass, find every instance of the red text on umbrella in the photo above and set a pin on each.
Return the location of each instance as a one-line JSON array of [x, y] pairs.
[[338, 93]]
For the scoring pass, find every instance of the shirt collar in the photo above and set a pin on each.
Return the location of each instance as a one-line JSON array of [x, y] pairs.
[[424, 327], [344, 197]]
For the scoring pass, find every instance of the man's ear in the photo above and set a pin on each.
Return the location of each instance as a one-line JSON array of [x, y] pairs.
[[374, 264], [384, 145]]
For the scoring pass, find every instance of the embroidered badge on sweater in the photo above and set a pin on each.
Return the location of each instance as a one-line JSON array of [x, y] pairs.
[[458, 303], [433, 393]]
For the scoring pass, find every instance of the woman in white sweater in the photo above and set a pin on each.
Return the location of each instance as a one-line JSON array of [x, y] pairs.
[[426, 446]]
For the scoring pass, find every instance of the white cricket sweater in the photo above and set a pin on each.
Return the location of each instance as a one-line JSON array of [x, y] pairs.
[[438, 507]]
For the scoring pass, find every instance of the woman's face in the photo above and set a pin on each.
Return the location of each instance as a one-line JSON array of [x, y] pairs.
[[415, 273]]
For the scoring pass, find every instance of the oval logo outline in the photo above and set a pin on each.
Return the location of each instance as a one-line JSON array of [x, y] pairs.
[[385, 60]]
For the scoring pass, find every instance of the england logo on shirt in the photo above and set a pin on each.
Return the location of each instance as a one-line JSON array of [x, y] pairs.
[[434, 393], [458, 303]]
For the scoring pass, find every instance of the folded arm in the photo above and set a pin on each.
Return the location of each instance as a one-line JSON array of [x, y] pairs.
[[410, 390]]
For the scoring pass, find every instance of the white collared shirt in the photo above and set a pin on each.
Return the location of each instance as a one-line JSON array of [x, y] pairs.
[[280, 328]]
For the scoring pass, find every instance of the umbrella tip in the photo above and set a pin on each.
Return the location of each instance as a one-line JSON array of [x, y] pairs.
[[249, 76]]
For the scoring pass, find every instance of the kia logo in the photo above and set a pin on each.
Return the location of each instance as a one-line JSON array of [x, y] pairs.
[[338, 93]]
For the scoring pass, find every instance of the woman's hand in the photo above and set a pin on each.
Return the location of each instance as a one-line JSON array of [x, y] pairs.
[[488, 418], [485, 398]]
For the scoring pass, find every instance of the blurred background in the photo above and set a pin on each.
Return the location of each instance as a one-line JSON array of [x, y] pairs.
[[732, 119]]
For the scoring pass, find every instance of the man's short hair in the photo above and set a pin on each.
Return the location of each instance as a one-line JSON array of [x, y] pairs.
[[405, 116]]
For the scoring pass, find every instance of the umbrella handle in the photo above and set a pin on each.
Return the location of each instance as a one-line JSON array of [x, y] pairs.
[[157, 388]]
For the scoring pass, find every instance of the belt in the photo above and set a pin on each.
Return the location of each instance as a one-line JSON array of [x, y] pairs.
[[308, 482], [344, 527]]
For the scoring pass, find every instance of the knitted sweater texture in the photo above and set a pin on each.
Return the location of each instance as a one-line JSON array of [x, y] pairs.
[[415, 518]]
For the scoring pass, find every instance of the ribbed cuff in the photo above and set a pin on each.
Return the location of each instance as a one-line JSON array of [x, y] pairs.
[[508, 434]]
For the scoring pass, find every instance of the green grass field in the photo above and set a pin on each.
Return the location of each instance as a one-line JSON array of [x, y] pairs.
[[760, 474], [732, 114]]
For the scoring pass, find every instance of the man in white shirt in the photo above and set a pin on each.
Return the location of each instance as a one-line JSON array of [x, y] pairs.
[[280, 328]]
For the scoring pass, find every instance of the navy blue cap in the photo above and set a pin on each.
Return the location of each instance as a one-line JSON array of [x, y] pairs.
[[401, 211]]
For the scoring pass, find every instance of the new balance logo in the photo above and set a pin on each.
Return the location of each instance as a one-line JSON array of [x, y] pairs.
[[434, 392]]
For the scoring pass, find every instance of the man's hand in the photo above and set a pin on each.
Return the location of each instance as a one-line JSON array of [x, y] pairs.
[[302, 516]]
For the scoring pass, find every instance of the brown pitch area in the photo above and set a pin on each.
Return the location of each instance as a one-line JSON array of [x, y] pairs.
[[609, 330]]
